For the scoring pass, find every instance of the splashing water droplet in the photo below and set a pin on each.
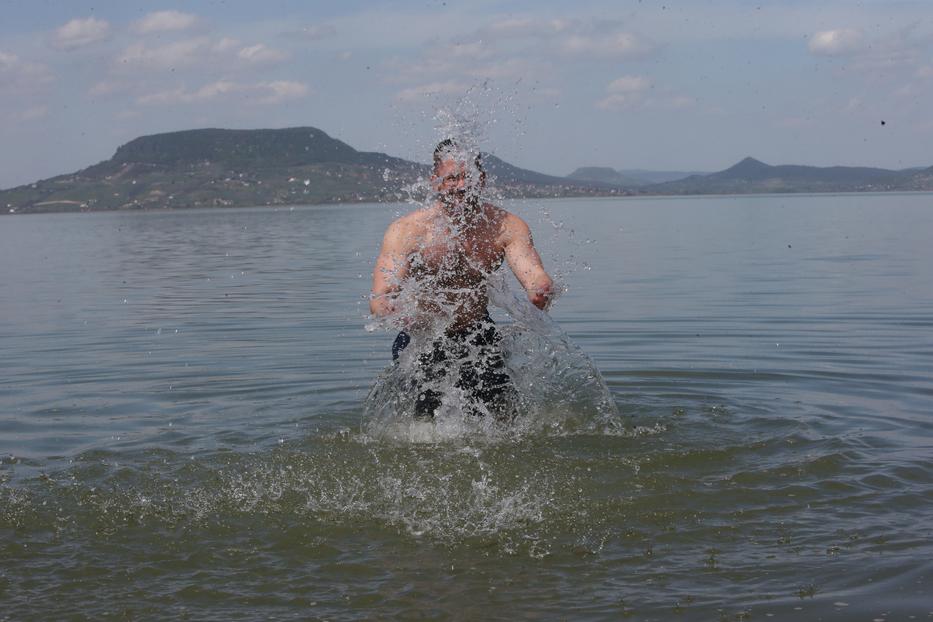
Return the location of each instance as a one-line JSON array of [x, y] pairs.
[[464, 373]]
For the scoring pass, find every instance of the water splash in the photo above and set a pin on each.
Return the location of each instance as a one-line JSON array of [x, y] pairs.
[[459, 373], [559, 389]]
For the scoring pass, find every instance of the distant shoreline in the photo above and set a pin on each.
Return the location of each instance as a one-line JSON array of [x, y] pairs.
[[215, 167], [343, 204]]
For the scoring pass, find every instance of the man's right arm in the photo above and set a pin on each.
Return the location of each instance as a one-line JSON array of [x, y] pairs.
[[391, 268]]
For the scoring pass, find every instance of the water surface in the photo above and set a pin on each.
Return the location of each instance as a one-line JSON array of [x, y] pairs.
[[181, 400]]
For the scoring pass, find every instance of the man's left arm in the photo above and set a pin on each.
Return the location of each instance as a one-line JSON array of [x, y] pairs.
[[526, 263]]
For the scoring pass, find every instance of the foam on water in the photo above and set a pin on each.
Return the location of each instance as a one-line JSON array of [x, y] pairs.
[[443, 493]]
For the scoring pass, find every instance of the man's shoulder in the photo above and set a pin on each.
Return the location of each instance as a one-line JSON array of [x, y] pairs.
[[494, 213], [508, 221], [405, 230], [410, 220]]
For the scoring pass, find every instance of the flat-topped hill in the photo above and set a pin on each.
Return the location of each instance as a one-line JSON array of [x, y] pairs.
[[304, 165], [221, 167]]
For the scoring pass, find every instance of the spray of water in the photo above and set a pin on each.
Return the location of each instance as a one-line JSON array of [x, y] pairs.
[[459, 372]]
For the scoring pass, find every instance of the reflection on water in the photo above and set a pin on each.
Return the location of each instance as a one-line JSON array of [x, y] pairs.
[[200, 450]]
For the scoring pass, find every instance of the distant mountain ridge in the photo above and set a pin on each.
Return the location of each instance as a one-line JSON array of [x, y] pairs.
[[631, 178], [754, 176], [752, 169], [303, 165], [220, 167], [508, 175]]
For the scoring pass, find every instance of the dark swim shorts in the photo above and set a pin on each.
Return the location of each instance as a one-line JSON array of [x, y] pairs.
[[474, 355]]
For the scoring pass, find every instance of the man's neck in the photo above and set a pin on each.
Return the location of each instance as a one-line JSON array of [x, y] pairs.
[[463, 211]]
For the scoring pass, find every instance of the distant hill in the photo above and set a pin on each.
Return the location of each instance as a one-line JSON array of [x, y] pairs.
[[753, 176], [296, 146], [303, 165], [219, 167], [657, 177], [631, 178], [604, 174], [531, 183]]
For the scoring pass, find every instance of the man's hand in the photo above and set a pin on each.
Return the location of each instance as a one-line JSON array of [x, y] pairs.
[[541, 297], [382, 305]]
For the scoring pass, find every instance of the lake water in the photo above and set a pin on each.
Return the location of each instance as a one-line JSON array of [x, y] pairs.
[[181, 438]]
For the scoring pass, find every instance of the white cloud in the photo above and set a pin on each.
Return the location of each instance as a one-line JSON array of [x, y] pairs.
[[169, 56], [677, 102], [526, 47], [316, 32], [199, 51], [475, 50], [225, 45], [35, 113], [8, 61], [413, 71], [510, 68], [614, 101], [906, 91], [794, 123], [853, 104], [259, 53], [513, 27], [184, 96], [461, 62], [628, 84], [18, 75], [160, 21], [261, 92], [417, 93], [639, 92], [282, 90], [548, 92], [624, 91], [925, 72], [580, 37], [619, 44], [902, 51], [80, 32], [834, 42], [516, 26], [104, 88]]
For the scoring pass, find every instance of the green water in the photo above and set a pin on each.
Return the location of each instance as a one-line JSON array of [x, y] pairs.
[[181, 431]]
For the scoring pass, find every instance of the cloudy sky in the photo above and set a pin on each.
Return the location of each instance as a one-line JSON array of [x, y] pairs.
[[669, 84]]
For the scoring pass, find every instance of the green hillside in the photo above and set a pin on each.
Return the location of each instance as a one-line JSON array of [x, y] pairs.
[[215, 167], [303, 165], [219, 168]]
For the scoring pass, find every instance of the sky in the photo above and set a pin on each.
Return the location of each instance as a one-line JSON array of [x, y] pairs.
[[551, 86]]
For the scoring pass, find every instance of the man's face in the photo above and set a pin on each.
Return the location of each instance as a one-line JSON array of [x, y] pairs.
[[457, 180], [450, 178]]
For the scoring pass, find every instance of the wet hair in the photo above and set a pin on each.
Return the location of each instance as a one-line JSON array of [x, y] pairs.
[[449, 144]]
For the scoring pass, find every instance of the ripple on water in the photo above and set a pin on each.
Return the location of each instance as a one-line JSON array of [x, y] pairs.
[[653, 501], [771, 456]]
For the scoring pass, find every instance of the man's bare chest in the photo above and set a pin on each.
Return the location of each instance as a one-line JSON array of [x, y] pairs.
[[462, 258]]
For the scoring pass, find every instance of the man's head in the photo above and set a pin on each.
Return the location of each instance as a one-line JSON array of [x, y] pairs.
[[457, 175]]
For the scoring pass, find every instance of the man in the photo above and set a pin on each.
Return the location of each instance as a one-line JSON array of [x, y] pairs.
[[432, 273]]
